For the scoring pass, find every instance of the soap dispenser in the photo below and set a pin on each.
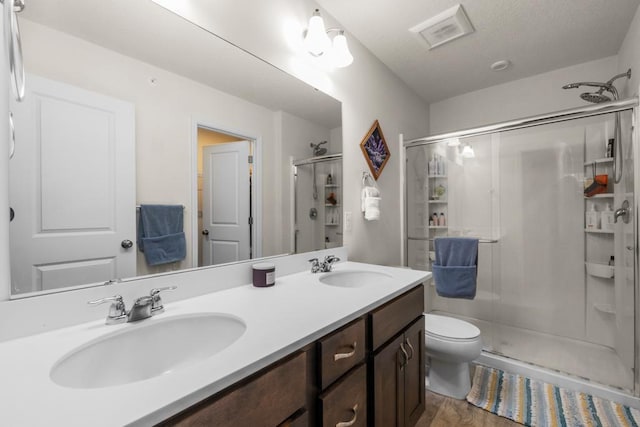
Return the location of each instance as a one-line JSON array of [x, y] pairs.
[[592, 218], [607, 219]]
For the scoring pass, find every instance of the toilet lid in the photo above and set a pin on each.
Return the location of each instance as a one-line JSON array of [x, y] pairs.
[[449, 327]]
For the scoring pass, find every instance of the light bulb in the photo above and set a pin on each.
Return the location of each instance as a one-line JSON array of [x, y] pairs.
[[341, 57], [316, 40], [467, 152]]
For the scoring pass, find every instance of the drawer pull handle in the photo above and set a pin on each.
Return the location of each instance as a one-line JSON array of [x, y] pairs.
[[406, 340], [339, 356], [352, 421]]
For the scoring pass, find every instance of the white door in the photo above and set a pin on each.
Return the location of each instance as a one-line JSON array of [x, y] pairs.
[[72, 188], [225, 199]]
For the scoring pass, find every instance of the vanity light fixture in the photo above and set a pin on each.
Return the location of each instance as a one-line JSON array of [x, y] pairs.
[[319, 44], [453, 142]]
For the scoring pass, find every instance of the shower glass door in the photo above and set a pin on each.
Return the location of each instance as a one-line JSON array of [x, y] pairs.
[[554, 289], [317, 205]]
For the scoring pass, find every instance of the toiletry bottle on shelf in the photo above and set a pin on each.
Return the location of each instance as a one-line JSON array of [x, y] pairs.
[[610, 147], [612, 261], [434, 217], [607, 219], [592, 218], [432, 165], [329, 179], [442, 221]]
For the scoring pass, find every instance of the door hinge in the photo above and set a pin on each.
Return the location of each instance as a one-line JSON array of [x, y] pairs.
[[250, 159], [250, 220]]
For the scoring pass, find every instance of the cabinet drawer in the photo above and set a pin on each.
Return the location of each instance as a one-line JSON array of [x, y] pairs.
[[345, 403], [341, 351], [266, 400], [394, 316]]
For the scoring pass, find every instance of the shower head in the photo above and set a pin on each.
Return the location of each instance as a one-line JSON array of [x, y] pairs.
[[595, 97], [317, 151], [598, 96]]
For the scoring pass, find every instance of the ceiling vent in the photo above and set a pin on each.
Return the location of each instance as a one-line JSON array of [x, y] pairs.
[[444, 27]]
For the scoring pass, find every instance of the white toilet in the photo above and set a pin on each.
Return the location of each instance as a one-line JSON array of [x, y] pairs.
[[450, 345]]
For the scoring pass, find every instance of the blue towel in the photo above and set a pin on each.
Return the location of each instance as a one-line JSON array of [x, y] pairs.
[[455, 268], [160, 234]]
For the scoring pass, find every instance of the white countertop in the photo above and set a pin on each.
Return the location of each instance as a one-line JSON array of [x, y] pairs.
[[279, 320]]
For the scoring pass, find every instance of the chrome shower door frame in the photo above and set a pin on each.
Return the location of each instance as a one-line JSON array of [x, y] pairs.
[[548, 118]]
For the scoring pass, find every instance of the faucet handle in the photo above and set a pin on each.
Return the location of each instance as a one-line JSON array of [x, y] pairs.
[[157, 307], [117, 311], [315, 265], [331, 258]]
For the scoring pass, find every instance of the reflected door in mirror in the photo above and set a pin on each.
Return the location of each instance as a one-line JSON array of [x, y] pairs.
[[71, 188], [226, 203]]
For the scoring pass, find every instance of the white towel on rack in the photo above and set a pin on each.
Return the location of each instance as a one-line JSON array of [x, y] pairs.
[[370, 203]]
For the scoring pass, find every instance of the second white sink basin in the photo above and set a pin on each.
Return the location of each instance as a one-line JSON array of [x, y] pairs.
[[145, 350], [354, 278]]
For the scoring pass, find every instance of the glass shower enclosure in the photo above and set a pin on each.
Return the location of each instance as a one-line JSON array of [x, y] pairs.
[[317, 203], [557, 263]]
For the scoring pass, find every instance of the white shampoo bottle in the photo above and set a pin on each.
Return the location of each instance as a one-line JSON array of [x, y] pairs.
[[592, 218]]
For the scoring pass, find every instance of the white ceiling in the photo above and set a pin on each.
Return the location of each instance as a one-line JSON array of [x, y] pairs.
[[535, 35]]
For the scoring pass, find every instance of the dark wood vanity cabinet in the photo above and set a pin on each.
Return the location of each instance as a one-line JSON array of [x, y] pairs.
[[396, 364], [369, 372]]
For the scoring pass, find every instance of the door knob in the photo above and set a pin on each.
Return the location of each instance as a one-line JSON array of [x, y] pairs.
[[127, 244], [205, 232]]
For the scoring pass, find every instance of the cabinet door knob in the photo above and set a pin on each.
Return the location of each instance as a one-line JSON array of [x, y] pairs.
[[339, 356], [127, 244], [352, 421], [205, 232]]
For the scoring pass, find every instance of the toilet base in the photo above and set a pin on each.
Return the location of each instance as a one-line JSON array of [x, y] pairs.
[[449, 379]]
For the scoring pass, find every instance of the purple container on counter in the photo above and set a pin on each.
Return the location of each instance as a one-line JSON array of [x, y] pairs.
[[264, 274]]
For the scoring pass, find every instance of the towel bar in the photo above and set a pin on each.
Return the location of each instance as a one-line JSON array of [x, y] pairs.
[[431, 239]]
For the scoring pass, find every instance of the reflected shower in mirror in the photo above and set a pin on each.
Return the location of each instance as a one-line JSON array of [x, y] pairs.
[[129, 105]]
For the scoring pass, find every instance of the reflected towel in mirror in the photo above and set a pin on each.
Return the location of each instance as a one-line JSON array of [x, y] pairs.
[[160, 234]]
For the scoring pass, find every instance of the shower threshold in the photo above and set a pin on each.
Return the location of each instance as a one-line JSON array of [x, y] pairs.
[[580, 363]]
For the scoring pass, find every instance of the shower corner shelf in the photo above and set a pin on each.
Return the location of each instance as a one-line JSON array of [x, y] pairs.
[[329, 205], [600, 270], [331, 186], [598, 161], [438, 227], [605, 308], [601, 196], [598, 231], [436, 176], [434, 201]]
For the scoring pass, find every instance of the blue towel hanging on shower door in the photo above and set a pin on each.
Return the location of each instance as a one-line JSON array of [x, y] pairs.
[[455, 268], [160, 234]]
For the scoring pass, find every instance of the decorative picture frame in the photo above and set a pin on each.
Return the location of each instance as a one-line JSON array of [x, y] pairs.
[[375, 150]]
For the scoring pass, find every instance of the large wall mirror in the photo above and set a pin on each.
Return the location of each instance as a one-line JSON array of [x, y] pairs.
[[128, 105]]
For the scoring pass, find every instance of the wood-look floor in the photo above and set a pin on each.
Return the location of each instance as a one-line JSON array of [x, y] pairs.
[[444, 411]]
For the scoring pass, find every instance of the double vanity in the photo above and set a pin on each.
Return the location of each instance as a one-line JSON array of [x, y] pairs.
[[337, 348]]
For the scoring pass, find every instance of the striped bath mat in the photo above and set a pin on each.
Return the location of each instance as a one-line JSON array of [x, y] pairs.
[[538, 404]]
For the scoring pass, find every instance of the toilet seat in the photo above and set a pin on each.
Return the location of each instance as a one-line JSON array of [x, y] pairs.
[[449, 328]]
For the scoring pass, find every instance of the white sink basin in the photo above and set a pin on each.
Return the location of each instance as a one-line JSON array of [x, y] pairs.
[[355, 278], [145, 350]]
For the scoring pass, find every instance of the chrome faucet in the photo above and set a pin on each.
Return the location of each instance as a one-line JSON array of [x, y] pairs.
[[324, 266], [143, 307]]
